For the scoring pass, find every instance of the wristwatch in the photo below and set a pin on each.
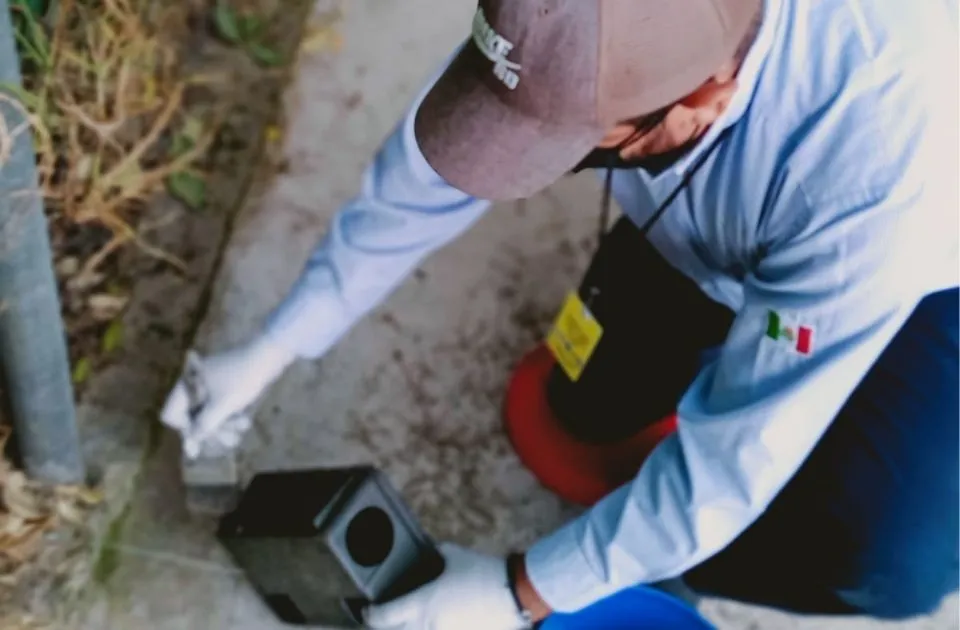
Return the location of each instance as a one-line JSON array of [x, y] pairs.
[[513, 569]]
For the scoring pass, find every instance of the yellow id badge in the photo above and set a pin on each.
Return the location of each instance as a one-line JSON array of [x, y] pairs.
[[574, 336]]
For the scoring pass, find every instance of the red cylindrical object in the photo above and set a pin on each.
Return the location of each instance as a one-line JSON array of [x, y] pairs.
[[579, 472]]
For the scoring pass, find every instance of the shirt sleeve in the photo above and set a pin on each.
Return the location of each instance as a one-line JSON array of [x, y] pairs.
[[819, 309], [404, 212]]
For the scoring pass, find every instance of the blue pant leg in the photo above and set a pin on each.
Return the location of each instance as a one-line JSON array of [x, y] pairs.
[[869, 525]]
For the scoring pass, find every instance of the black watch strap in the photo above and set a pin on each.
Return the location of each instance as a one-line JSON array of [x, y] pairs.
[[513, 569]]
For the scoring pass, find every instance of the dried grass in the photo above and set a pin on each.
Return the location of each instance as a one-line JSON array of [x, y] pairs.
[[43, 537], [103, 98], [105, 101]]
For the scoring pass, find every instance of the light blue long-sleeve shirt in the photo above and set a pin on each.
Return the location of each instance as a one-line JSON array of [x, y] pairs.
[[827, 213]]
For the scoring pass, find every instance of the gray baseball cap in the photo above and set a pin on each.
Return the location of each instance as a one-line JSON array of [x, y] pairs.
[[540, 83]]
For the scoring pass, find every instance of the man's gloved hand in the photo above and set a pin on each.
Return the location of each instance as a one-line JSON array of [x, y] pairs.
[[472, 593], [210, 403]]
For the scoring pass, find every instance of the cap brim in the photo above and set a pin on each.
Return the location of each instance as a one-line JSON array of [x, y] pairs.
[[484, 147]]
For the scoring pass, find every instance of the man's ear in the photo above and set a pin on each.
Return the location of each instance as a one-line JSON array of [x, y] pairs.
[[718, 89], [712, 95]]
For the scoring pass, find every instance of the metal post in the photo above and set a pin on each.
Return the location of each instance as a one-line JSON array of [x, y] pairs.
[[33, 352]]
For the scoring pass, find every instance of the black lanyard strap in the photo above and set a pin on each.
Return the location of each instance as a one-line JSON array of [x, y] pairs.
[[684, 181]]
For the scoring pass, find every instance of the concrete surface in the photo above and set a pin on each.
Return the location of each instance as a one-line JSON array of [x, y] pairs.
[[417, 387]]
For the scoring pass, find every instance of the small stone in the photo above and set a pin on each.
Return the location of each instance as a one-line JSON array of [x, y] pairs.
[[85, 281], [105, 307], [67, 266]]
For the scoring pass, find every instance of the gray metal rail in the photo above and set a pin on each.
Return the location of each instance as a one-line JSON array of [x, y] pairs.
[[33, 353]]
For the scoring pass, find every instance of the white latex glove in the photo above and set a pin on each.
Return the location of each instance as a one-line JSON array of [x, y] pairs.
[[211, 401], [471, 594], [224, 440]]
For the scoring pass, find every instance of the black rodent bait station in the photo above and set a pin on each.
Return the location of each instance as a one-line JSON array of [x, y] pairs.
[[319, 544]]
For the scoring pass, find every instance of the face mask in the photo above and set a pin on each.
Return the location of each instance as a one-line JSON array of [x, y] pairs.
[[610, 159]]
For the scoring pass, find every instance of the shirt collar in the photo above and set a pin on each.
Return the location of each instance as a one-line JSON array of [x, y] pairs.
[[747, 78]]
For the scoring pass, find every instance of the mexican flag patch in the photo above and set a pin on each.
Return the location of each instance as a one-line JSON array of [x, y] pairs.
[[799, 337]]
